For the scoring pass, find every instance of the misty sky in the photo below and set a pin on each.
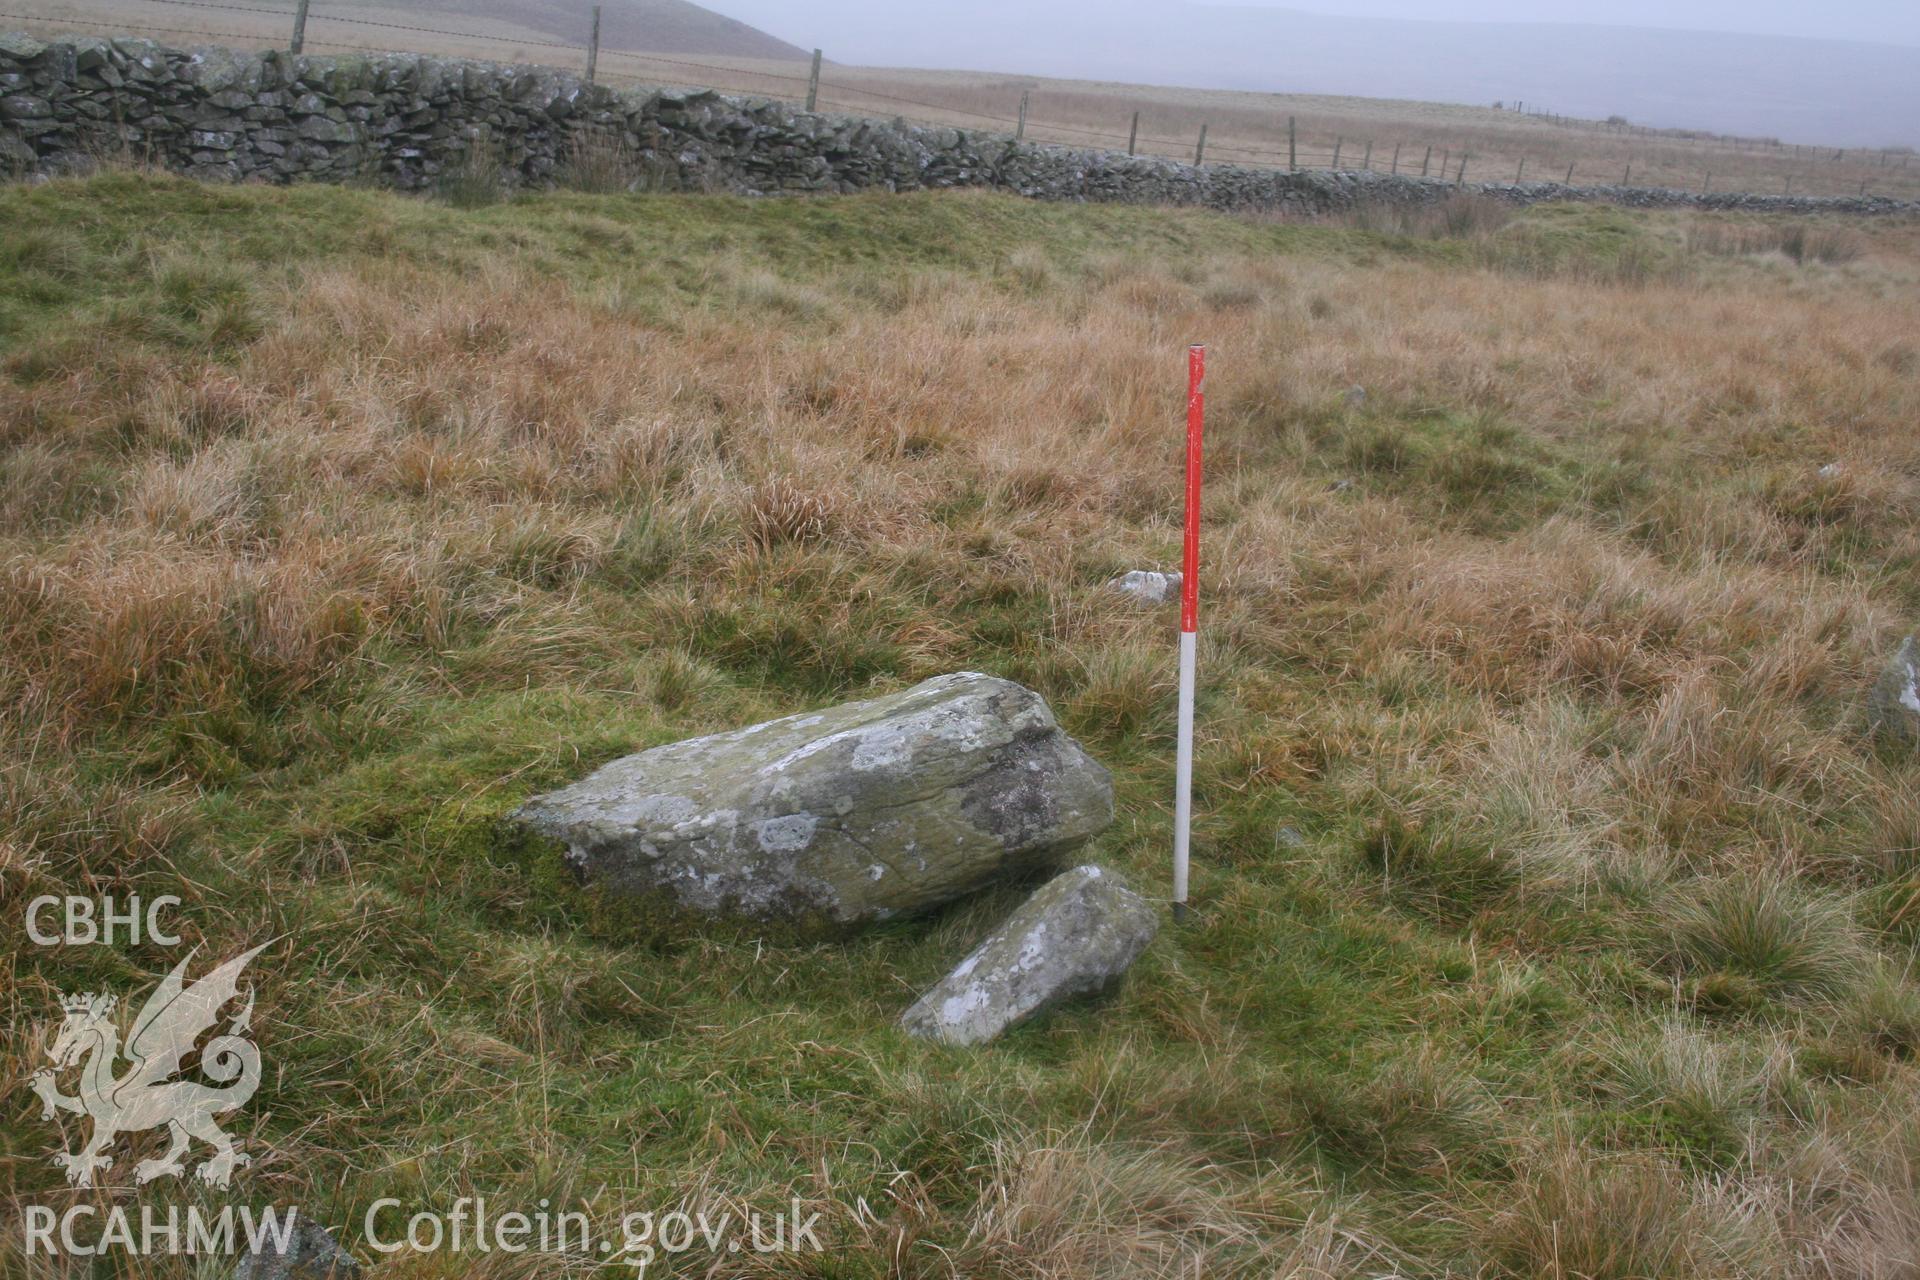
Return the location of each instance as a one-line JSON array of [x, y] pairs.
[[1846, 72], [1874, 21]]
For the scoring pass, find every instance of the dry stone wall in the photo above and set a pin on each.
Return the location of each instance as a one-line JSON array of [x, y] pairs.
[[410, 120]]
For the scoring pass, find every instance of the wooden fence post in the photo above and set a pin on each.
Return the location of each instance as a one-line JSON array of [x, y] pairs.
[[299, 28], [1396, 157], [813, 83], [1426, 161], [1200, 151], [1461, 181], [1133, 134], [1293, 154], [1570, 172], [1021, 131], [1706, 184], [1628, 179], [1337, 141], [1521, 175], [1366, 161], [593, 45]]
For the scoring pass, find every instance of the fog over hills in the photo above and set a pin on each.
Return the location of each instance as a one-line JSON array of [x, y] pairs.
[[1799, 89]]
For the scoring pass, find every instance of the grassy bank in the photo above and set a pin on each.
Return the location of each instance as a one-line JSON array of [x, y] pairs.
[[1558, 916]]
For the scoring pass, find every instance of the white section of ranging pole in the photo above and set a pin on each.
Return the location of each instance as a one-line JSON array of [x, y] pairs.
[[1183, 774]]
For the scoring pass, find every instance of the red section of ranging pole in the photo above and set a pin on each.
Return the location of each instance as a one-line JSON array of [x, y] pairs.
[[1196, 425]]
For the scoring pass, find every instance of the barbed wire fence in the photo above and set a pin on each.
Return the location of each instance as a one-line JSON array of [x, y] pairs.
[[1809, 170]]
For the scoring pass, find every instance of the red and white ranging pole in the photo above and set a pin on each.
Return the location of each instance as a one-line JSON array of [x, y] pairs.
[[1189, 627]]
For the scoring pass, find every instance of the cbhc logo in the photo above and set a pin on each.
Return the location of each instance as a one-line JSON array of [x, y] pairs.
[[85, 922]]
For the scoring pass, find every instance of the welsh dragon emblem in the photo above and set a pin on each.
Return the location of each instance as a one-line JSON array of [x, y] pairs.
[[145, 1096]]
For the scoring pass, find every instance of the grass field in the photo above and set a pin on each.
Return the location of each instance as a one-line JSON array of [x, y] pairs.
[[1243, 128], [1556, 914]]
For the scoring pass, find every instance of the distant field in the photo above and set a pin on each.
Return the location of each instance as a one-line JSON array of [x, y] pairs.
[[1243, 128]]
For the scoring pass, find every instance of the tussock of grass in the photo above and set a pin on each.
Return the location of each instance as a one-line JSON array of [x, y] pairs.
[[1693, 1095], [1799, 241], [1446, 874], [1580, 1216], [1063, 1206], [334, 523], [1458, 217], [480, 177], [1758, 934], [1886, 1013]]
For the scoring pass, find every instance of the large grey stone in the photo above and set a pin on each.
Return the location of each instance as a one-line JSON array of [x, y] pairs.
[[322, 129], [91, 53], [1895, 702], [216, 70], [20, 46], [1075, 937], [844, 816], [24, 106], [311, 1254]]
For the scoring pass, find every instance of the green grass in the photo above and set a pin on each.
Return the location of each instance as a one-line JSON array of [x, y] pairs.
[[1384, 1005], [130, 253]]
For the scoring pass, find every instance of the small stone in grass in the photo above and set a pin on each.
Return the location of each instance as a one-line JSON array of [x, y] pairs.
[[1147, 586], [1075, 936]]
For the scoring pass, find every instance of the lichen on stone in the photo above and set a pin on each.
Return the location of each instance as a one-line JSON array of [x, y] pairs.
[[852, 814], [1077, 935]]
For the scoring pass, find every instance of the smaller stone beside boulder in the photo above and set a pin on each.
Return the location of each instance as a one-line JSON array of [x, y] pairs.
[[1895, 703], [311, 1254], [1076, 936], [1149, 587]]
